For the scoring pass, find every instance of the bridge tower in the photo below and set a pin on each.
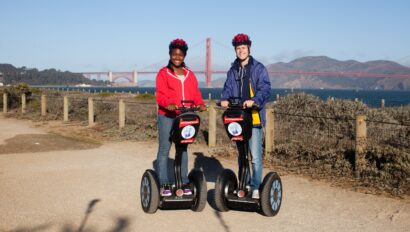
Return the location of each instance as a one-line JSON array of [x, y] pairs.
[[110, 76], [208, 69], [135, 77]]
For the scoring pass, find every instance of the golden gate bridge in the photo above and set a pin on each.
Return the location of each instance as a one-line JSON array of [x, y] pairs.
[[132, 76]]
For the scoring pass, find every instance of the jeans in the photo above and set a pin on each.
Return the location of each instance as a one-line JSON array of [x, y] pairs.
[[164, 129], [255, 147]]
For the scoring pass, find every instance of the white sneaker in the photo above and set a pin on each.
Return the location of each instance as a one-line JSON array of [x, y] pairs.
[[255, 194]]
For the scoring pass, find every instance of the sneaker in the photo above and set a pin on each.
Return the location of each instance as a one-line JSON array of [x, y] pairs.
[[187, 190], [255, 194], [165, 191]]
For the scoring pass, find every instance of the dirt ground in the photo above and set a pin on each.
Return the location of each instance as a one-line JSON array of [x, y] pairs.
[[54, 182]]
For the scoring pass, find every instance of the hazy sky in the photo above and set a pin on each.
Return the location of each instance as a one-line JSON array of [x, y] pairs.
[[96, 35]]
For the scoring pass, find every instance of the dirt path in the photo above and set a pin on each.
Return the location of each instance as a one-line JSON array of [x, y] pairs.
[[95, 188]]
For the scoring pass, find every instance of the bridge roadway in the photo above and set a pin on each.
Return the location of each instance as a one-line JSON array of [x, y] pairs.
[[51, 183]]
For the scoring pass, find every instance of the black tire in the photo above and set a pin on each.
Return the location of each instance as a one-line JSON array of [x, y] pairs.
[[149, 192], [197, 177], [225, 184], [272, 192]]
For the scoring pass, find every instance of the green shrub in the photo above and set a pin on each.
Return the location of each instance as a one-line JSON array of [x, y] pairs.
[[145, 96], [105, 94]]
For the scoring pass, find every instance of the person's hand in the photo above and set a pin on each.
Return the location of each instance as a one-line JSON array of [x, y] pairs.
[[248, 104], [171, 107], [202, 108], [225, 103]]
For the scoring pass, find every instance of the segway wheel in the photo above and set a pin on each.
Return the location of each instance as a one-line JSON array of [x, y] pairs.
[[225, 184], [149, 192], [197, 177], [271, 197]]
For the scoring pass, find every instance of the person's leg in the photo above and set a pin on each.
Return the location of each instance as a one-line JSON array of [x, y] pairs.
[[255, 145], [184, 173], [184, 167], [164, 145]]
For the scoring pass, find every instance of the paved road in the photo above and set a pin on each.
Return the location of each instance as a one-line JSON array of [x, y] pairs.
[[96, 189]]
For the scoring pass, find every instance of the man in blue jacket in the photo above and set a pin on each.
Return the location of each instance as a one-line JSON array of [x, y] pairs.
[[248, 79]]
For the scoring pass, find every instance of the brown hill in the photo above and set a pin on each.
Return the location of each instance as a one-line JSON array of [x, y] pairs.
[[326, 64]]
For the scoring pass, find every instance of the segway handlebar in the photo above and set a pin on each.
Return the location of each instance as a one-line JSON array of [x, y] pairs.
[[239, 105], [191, 108], [188, 109]]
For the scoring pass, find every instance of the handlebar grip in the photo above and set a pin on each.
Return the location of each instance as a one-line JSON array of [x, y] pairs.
[[255, 106]]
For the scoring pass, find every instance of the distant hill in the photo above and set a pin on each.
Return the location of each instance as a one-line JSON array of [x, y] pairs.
[[12, 75], [326, 64]]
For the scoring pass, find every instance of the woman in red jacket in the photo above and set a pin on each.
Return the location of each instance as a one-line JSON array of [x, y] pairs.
[[174, 83]]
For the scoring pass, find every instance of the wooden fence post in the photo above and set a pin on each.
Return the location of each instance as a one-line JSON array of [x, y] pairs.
[[90, 112], [212, 124], [65, 111], [43, 105], [121, 116], [5, 101], [361, 134], [23, 103], [269, 134]]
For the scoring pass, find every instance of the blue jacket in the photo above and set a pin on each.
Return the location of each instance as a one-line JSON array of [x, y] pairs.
[[260, 85]]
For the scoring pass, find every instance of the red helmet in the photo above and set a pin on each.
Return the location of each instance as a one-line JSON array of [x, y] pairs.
[[241, 39], [178, 43]]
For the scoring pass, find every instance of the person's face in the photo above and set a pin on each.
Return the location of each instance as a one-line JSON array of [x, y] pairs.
[[177, 57], [242, 52]]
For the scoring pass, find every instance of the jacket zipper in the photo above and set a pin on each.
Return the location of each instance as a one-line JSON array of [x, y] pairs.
[[183, 91]]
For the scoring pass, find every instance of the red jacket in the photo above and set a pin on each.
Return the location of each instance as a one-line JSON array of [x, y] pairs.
[[172, 89]]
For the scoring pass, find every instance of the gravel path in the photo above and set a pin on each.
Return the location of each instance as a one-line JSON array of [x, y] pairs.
[[96, 188]]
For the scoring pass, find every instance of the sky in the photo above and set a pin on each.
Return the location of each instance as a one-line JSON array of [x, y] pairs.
[[118, 35]]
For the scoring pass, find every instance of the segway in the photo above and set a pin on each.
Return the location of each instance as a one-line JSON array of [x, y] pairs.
[[229, 194], [184, 131]]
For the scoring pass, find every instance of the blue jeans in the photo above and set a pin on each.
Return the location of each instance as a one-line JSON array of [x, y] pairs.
[[255, 147], [164, 129]]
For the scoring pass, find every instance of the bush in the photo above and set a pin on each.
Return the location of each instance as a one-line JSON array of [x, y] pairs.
[[14, 94], [105, 94], [320, 140], [145, 96]]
